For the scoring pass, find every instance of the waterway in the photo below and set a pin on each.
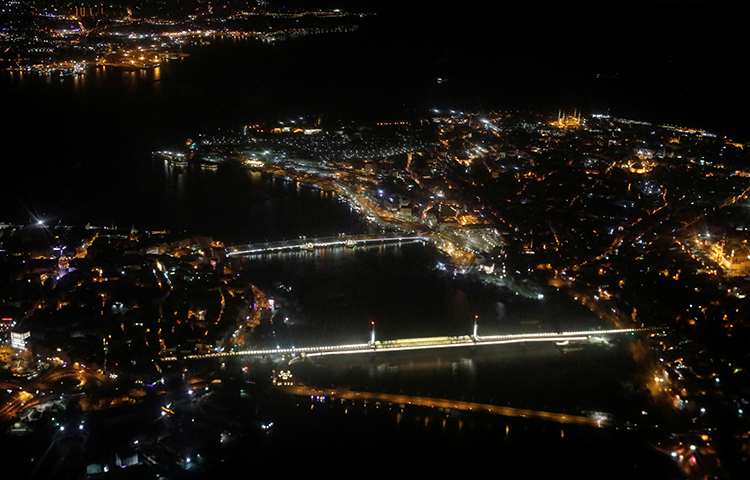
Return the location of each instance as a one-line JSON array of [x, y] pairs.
[[334, 295], [431, 441]]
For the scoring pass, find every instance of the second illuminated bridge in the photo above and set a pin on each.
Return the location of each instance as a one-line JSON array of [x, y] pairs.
[[323, 242], [426, 343]]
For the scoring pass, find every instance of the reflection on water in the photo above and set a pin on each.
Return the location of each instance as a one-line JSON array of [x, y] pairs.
[[79, 82], [533, 376]]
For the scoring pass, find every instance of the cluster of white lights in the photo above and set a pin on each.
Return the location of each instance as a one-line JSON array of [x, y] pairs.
[[425, 343], [295, 244]]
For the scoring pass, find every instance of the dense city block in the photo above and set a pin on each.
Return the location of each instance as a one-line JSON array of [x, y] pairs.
[[67, 39]]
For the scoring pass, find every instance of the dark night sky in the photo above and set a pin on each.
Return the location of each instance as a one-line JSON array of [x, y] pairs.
[[664, 61]]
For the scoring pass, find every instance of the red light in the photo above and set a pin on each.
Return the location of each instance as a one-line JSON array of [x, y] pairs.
[[692, 459]]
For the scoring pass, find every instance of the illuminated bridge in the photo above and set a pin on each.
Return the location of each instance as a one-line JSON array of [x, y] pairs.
[[406, 344], [322, 242]]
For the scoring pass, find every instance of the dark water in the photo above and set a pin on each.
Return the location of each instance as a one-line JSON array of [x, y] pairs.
[[333, 295], [230, 203], [536, 376], [354, 438]]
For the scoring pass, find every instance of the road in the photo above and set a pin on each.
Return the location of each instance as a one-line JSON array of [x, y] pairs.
[[422, 343]]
